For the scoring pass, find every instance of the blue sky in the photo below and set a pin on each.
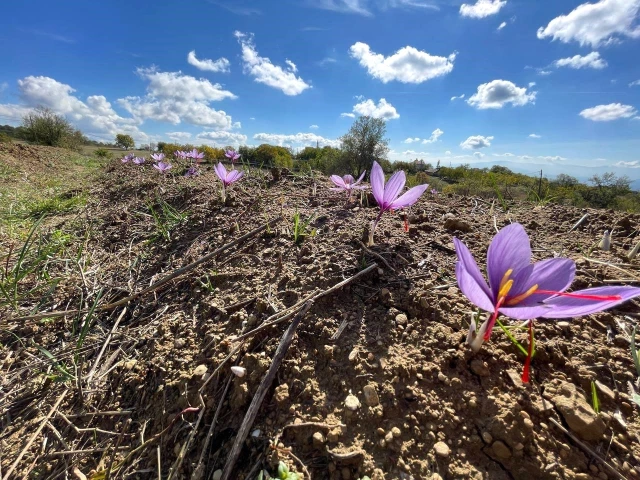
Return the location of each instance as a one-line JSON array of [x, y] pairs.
[[546, 83]]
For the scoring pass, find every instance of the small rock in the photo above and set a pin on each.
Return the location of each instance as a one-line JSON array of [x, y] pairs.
[[217, 475], [352, 402], [239, 371], [200, 371], [130, 364], [564, 325], [500, 449], [401, 319], [487, 438], [578, 414], [318, 440], [453, 224], [479, 367], [606, 391], [442, 449], [370, 395], [395, 431], [179, 343], [385, 294], [281, 395]]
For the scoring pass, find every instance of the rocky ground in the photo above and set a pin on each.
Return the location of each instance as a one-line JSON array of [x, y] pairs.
[[377, 381]]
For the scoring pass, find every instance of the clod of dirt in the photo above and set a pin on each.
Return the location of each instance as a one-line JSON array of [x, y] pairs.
[[479, 367], [500, 449], [578, 413], [455, 224]]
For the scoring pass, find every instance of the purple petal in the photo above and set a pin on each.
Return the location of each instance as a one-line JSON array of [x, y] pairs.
[[221, 171], [337, 189], [553, 274], [338, 181], [394, 186], [526, 313], [565, 307], [509, 249], [377, 183], [348, 179], [234, 176], [470, 280], [158, 167], [409, 197], [359, 178]]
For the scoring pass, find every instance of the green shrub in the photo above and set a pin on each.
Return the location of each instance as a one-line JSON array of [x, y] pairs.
[[283, 161], [102, 153], [4, 138]]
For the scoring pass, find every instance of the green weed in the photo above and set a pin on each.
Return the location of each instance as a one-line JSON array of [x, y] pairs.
[[166, 219], [301, 228]]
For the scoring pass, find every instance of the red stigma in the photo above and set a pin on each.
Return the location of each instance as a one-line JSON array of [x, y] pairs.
[[527, 363], [596, 298], [406, 224]]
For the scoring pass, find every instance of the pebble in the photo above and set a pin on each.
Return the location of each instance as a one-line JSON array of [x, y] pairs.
[[487, 438], [130, 364], [352, 402], [564, 325], [500, 449], [217, 475], [395, 431], [479, 367], [370, 395], [239, 371], [200, 371], [179, 343], [318, 440], [401, 319], [442, 449]]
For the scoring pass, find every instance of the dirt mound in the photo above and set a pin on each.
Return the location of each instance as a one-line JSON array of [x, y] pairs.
[[377, 381]]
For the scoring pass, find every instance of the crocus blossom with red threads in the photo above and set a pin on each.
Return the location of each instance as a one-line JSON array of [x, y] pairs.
[[523, 290], [347, 183], [232, 155]]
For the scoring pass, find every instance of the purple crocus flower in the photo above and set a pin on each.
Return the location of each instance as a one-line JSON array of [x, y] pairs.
[[127, 158], [232, 155], [158, 157], [138, 160], [192, 172], [347, 183], [387, 195], [521, 290], [163, 167], [434, 192], [180, 154], [195, 155], [227, 178]]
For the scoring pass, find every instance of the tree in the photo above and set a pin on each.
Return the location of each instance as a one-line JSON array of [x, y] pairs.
[[564, 180], [125, 141], [44, 127], [365, 143]]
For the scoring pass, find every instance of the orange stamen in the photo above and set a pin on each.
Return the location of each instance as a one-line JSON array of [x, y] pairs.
[[517, 299]]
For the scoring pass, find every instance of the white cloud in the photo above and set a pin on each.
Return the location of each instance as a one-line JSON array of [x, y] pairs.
[[95, 117], [502, 25], [532, 84], [478, 154], [383, 109], [3, 86], [525, 157], [263, 71], [476, 142], [178, 136], [503, 154], [413, 153], [606, 113], [220, 65], [459, 97], [435, 135], [304, 139], [556, 158], [447, 152], [632, 164], [635, 83], [534, 135], [350, 115], [544, 72], [223, 138], [412, 140], [594, 24], [173, 97], [592, 60], [498, 93], [365, 7], [252, 118], [314, 127], [407, 65], [482, 8]]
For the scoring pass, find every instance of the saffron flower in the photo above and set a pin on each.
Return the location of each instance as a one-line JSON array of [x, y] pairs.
[[192, 172], [138, 160], [232, 155], [347, 183], [521, 290], [387, 195], [434, 192], [127, 158], [158, 157], [163, 167], [227, 178], [195, 155], [180, 154]]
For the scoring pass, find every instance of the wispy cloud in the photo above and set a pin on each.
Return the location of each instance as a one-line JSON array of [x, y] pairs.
[[51, 35], [314, 29], [367, 7], [237, 8]]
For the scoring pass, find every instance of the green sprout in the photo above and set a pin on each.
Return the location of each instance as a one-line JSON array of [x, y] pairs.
[[301, 228], [595, 403]]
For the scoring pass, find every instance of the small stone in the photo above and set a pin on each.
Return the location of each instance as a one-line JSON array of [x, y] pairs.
[[334, 435], [395, 431], [370, 395], [401, 319], [435, 476], [500, 449], [453, 224], [200, 371], [352, 402], [388, 437], [385, 294], [179, 343], [564, 325], [442, 449], [281, 395], [318, 440], [238, 371], [606, 391], [578, 414], [217, 475], [479, 367], [130, 364], [487, 438]]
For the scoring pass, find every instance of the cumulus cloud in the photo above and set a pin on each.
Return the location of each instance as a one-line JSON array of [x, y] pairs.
[[314, 127], [178, 136], [220, 65], [595, 24], [349, 115], [635, 83], [303, 139], [95, 116], [632, 164], [407, 65], [498, 93], [435, 135], [592, 60], [476, 142], [482, 8], [173, 97], [222, 137], [263, 71], [534, 135], [459, 97], [544, 72], [532, 84], [383, 109], [447, 152], [607, 113], [412, 140]]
